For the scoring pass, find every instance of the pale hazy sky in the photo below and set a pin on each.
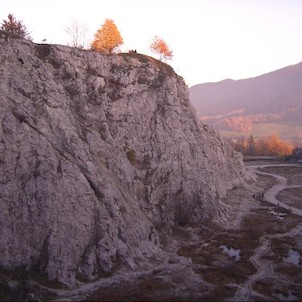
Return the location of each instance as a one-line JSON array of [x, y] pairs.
[[211, 39]]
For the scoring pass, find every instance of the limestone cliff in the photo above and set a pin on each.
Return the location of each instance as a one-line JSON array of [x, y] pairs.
[[98, 155]]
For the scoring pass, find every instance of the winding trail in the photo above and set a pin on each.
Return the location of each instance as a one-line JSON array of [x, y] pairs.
[[271, 193], [264, 268]]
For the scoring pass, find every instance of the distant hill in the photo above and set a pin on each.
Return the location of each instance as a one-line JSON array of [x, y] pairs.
[[272, 100]]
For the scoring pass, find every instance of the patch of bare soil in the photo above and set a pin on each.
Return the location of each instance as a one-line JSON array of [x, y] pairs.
[[292, 196], [265, 181]]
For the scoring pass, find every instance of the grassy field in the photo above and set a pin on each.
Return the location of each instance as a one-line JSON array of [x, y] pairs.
[[289, 131]]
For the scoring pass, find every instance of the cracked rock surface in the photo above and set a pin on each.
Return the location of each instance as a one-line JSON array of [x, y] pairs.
[[100, 155]]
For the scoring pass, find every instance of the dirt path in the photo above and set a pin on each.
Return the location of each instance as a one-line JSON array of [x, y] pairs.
[[265, 269], [270, 194]]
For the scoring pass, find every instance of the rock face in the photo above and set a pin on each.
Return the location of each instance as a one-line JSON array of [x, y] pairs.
[[98, 155]]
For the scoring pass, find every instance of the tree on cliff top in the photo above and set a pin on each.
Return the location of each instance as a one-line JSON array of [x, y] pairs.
[[78, 34], [108, 38], [15, 26], [160, 47]]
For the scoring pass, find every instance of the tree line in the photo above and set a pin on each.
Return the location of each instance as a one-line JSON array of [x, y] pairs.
[[107, 38], [268, 146]]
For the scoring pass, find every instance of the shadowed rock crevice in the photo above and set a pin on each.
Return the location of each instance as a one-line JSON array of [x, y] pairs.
[[95, 188]]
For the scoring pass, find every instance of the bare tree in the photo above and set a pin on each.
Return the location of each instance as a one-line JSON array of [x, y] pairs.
[[78, 34]]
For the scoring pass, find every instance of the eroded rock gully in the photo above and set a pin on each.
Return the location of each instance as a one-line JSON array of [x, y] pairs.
[[100, 156]]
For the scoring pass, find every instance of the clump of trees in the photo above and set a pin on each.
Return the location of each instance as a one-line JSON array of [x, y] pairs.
[[15, 26], [107, 39], [160, 47], [269, 146]]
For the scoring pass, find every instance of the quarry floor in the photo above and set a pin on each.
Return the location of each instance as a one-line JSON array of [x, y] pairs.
[[258, 261]]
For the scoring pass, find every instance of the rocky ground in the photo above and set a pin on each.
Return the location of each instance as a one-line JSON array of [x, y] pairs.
[[258, 261]]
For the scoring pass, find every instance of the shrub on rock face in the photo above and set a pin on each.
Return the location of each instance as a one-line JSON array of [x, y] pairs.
[[131, 157]]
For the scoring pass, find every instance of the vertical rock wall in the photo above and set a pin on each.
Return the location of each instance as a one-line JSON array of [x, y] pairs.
[[96, 152]]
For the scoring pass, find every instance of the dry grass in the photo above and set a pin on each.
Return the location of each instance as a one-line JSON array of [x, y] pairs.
[[292, 196], [292, 173], [144, 289]]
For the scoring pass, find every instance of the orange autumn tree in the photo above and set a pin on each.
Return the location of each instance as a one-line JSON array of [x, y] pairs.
[[107, 39], [273, 145], [160, 47], [268, 146]]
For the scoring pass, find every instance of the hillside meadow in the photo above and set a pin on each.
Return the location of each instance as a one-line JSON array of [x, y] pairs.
[[290, 131]]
